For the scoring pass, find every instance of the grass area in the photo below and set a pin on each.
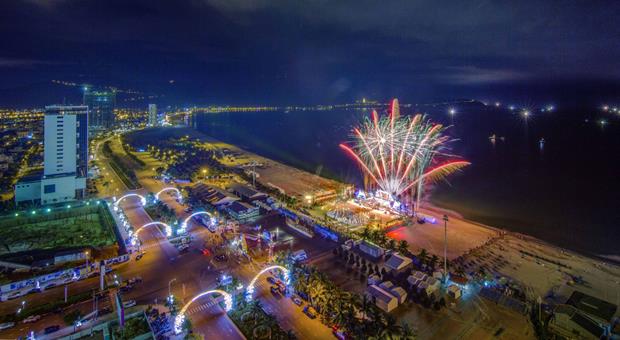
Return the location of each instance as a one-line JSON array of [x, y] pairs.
[[124, 172], [133, 328], [254, 323], [87, 226]]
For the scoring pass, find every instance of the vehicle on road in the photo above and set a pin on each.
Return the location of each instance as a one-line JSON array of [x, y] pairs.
[[139, 256], [271, 280], [6, 325], [51, 329], [221, 258], [275, 291], [14, 295], [129, 303], [310, 312], [296, 300], [32, 318], [341, 335]]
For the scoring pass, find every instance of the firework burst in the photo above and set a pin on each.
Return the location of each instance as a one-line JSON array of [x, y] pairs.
[[400, 154]]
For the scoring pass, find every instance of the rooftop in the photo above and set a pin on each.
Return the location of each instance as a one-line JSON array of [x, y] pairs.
[[397, 261], [380, 294], [591, 305]]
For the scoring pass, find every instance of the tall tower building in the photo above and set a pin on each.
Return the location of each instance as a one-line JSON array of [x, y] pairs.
[[152, 115], [101, 106], [65, 158]]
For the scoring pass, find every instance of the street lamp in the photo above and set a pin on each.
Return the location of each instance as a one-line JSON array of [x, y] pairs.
[[445, 248], [169, 286]]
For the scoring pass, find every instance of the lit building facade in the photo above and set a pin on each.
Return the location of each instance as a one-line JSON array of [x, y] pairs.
[[152, 115], [101, 106], [65, 158]]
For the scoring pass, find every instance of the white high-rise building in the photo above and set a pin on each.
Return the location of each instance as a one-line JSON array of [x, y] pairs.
[[65, 158], [152, 115]]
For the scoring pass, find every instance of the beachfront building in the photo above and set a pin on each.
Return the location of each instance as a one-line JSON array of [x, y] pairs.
[[65, 159], [243, 212], [246, 193], [596, 309], [212, 196], [568, 322]]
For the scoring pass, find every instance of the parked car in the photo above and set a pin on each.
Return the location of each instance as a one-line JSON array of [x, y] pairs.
[[6, 325], [14, 295], [129, 303], [296, 300], [275, 291], [310, 312], [51, 329], [105, 310], [32, 318]]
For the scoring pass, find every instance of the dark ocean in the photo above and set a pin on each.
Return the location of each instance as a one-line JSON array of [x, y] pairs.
[[565, 191]]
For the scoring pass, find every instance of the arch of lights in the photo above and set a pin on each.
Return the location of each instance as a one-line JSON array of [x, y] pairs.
[[250, 290], [142, 199], [180, 318], [212, 219], [166, 189], [167, 227]]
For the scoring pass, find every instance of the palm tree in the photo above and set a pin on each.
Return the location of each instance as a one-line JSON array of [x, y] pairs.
[[403, 247], [423, 256], [391, 244], [390, 329], [433, 261], [407, 333]]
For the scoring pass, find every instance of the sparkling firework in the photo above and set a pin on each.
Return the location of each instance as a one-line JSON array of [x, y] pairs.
[[400, 154]]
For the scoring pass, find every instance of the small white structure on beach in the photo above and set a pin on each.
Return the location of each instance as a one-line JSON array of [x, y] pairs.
[[397, 263], [374, 280], [399, 293], [387, 285], [383, 299], [454, 291]]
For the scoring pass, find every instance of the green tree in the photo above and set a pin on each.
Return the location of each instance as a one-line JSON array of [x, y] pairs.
[[403, 247]]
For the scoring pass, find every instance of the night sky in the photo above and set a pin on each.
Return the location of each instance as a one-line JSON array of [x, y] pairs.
[[309, 52]]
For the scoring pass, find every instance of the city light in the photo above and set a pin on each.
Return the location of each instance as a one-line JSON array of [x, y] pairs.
[[167, 189], [180, 318], [142, 199], [250, 289]]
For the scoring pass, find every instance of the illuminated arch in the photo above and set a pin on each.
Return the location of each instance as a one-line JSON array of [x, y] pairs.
[[166, 189], [184, 224], [180, 318], [167, 227], [250, 289], [142, 199]]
